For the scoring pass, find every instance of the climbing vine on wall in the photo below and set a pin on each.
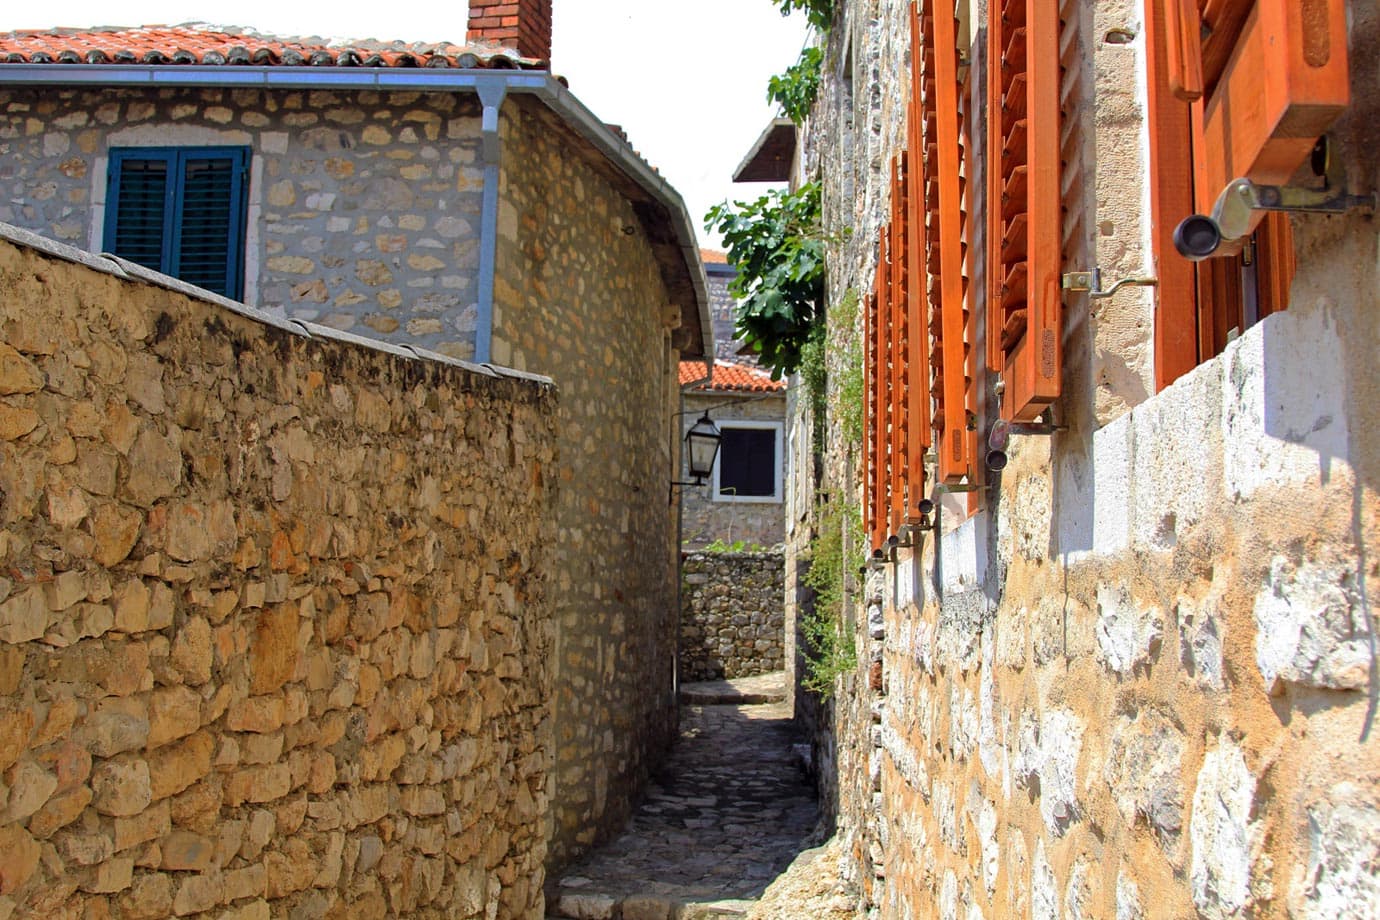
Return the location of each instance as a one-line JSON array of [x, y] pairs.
[[830, 649], [776, 244]]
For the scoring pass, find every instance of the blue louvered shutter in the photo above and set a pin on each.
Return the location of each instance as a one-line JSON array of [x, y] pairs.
[[140, 195], [182, 212]]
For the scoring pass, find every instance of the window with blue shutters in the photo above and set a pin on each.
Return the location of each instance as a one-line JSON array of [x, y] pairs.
[[181, 211]]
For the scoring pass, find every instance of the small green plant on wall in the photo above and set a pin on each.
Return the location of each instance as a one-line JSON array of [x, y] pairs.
[[830, 649]]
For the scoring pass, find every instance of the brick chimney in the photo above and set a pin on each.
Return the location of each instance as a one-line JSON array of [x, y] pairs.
[[524, 25]]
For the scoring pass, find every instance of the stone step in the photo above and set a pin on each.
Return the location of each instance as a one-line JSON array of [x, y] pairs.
[[589, 906], [740, 691]]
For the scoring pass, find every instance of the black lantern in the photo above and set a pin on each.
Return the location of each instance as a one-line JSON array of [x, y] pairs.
[[702, 445]]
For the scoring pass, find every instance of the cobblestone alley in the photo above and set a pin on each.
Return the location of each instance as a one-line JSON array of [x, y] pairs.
[[725, 817]]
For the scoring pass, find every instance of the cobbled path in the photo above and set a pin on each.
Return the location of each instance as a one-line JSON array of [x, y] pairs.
[[724, 818]]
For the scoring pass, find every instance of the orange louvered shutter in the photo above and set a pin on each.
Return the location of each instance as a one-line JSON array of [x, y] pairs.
[[1024, 228], [1238, 89], [871, 429], [938, 136], [913, 346]]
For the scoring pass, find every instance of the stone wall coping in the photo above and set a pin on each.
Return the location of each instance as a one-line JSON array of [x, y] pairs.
[[130, 271], [765, 555]]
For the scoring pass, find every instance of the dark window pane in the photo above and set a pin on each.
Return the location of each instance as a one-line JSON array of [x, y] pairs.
[[747, 462]]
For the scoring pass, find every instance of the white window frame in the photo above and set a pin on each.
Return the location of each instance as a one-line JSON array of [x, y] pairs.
[[778, 475]]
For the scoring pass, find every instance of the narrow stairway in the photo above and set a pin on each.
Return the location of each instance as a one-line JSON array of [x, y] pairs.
[[727, 814]]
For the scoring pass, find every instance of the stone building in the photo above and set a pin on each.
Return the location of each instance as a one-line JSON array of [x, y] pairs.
[[1117, 632], [455, 199]]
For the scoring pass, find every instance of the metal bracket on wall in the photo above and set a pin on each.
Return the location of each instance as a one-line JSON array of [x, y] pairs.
[[1090, 283]]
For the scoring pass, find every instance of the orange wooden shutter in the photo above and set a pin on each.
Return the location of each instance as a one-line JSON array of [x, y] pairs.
[[915, 346], [871, 405], [935, 75], [1024, 229]]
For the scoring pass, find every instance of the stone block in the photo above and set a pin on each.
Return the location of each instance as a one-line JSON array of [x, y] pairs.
[[111, 876], [256, 714], [186, 851], [108, 732], [17, 373], [141, 828], [121, 787], [16, 725], [1223, 836], [1312, 627], [19, 859], [198, 893], [274, 652], [174, 768], [258, 784], [174, 712], [59, 812], [150, 897], [30, 788], [24, 617], [191, 651]]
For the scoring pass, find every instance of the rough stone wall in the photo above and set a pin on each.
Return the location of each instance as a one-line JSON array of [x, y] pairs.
[[732, 622], [1140, 680], [723, 311], [586, 306], [705, 519], [275, 637], [363, 206]]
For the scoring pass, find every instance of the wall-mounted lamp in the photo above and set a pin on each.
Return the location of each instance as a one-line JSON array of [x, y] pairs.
[[701, 447]]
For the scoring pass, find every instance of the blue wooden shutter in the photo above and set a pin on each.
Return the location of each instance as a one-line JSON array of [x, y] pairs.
[[194, 230], [139, 211]]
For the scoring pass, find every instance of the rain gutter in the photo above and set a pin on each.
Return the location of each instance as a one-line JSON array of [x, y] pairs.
[[492, 86]]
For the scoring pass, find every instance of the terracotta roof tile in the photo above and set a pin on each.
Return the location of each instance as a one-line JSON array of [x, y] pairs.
[[738, 378], [199, 43], [713, 255]]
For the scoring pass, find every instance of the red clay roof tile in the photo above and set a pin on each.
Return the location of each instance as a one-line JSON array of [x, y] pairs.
[[739, 378], [198, 43]]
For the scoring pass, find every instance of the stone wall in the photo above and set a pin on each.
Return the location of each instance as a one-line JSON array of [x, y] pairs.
[[1140, 679], [587, 306], [732, 622], [275, 636], [363, 206]]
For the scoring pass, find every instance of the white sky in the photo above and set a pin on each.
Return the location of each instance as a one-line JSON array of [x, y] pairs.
[[685, 78]]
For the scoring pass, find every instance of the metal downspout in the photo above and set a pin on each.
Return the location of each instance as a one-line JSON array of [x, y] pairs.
[[491, 96]]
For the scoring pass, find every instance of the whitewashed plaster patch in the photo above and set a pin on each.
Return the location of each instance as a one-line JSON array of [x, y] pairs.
[[1311, 627]]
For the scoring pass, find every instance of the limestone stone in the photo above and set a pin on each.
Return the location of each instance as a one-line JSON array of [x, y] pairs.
[[1143, 765], [1312, 627], [21, 854], [59, 812], [17, 373], [1222, 833], [115, 530], [30, 788], [198, 893], [155, 468], [24, 617], [121, 787], [16, 421], [1127, 631], [191, 651], [108, 732], [15, 727], [141, 828], [111, 876], [256, 714], [174, 768], [149, 897], [185, 851], [132, 602], [1343, 851], [273, 654], [174, 712]]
